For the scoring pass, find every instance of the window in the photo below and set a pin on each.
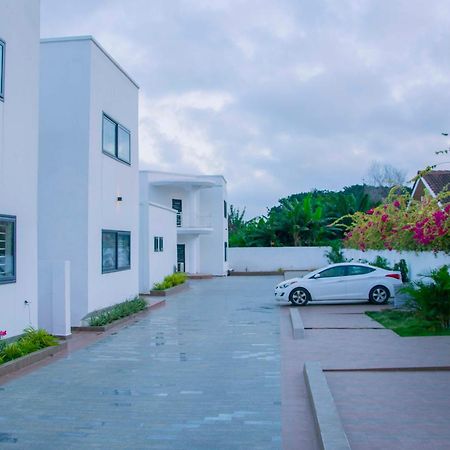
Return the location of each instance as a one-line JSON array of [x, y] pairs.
[[338, 271], [158, 244], [225, 209], [7, 249], [358, 270], [177, 204], [116, 140], [2, 69], [116, 254], [225, 248]]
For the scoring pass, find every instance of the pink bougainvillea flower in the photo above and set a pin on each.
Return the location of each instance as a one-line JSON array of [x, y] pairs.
[[384, 218], [370, 211], [439, 217], [447, 209], [397, 204], [2, 332]]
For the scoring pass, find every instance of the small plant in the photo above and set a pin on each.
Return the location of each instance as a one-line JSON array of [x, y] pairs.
[[117, 312], [335, 254], [402, 267], [381, 262], [431, 301], [170, 281], [30, 342]]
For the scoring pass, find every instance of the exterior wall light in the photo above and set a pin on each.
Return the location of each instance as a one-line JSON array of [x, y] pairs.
[[119, 199]]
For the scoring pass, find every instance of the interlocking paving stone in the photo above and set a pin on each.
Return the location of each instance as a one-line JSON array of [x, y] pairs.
[[203, 372]]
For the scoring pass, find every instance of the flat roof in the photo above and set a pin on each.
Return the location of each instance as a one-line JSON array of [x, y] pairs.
[[92, 39], [188, 175]]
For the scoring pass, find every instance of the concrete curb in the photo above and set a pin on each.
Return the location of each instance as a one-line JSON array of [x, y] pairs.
[[32, 358], [330, 431], [170, 291], [255, 274], [298, 329]]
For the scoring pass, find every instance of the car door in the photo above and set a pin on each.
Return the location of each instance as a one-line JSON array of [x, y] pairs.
[[358, 281], [330, 285]]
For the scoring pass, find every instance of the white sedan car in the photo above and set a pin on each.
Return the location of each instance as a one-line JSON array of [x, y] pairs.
[[344, 281]]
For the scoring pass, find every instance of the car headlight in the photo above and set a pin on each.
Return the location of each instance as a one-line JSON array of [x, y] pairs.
[[287, 284]]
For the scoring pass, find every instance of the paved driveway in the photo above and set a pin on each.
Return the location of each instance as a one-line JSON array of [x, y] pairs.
[[201, 373]]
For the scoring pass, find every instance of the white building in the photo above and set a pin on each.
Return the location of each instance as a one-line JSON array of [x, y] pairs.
[[157, 244], [88, 177], [201, 221], [19, 94]]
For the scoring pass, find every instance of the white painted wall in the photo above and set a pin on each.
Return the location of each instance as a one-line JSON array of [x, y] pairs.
[[78, 184], [260, 259], [19, 28], [160, 221]]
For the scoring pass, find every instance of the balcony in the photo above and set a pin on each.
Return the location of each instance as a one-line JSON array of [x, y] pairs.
[[194, 224]]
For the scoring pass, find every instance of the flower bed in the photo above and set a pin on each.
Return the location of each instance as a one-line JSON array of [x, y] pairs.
[[170, 281], [117, 312]]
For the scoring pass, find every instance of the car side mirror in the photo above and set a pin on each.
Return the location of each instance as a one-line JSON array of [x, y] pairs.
[[316, 276]]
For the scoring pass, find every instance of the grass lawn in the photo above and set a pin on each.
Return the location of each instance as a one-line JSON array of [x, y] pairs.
[[406, 323]]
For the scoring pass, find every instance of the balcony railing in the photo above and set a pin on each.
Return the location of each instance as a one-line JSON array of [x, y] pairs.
[[194, 221]]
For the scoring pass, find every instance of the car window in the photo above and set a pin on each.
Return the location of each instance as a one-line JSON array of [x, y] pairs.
[[358, 270], [338, 271]]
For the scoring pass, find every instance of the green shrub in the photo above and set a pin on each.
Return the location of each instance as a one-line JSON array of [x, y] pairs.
[[402, 267], [431, 300], [170, 281], [30, 342], [381, 262], [335, 254], [117, 312]]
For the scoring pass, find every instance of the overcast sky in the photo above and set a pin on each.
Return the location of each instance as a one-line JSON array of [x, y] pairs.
[[279, 96]]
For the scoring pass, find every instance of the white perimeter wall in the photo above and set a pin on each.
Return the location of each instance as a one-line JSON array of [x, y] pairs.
[[260, 259], [19, 28]]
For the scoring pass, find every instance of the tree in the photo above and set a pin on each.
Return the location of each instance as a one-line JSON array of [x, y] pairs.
[[385, 175]]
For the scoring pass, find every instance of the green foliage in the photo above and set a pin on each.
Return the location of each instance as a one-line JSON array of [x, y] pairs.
[[407, 323], [401, 223], [431, 300], [402, 267], [335, 254], [30, 342], [170, 281], [381, 262], [117, 312], [302, 219]]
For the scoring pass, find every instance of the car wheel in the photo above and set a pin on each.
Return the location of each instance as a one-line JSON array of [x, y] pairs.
[[379, 295], [299, 296]]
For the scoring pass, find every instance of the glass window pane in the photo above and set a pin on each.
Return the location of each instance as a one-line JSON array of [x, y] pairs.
[[109, 136], [7, 251], [108, 251], [333, 272], [358, 270], [161, 244], [123, 151], [123, 250], [155, 244], [1, 69]]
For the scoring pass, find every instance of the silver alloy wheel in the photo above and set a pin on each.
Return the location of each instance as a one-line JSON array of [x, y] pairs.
[[299, 296], [379, 295]]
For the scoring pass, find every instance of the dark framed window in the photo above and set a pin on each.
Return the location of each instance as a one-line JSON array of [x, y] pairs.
[[7, 249], [177, 205], [2, 69], [158, 244], [225, 212], [116, 250], [225, 248], [116, 140]]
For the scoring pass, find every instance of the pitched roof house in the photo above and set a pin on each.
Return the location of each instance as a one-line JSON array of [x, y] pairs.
[[433, 183]]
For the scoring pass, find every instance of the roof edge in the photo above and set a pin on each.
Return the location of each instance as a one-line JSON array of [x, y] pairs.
[[100, 47]]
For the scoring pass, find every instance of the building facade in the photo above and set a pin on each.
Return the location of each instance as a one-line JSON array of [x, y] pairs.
[[19, 94], [88, 175], [201, 220]]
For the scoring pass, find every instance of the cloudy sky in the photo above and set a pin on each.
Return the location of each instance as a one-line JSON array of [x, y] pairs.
[[280, 96]]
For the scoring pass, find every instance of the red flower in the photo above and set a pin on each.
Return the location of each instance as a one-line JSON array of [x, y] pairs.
[[2, 333], [384, 218], [396, 204], [370, 211]]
